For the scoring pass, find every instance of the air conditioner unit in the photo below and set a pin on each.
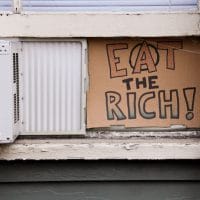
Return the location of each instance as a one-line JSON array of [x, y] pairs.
[[42, 88], [9, 91]]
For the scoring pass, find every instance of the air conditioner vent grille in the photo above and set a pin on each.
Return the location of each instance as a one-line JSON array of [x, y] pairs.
[[15, 108], [14, 68], [16, 82]]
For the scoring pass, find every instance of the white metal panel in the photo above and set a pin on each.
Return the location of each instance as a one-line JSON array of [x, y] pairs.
[[53, 87], [6, 93], [5, 5], [107, 5], [9, 91]]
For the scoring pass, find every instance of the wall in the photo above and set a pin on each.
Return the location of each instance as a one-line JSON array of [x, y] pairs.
[[100, 180]]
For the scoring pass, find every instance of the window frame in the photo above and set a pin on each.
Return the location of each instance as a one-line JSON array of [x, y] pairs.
[[102, 144], [44, 24]]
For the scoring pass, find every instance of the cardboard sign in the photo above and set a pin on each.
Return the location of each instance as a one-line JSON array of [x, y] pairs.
[[144, 83]]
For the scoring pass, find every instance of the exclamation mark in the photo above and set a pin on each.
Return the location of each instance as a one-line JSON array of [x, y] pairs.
[[189, 94]]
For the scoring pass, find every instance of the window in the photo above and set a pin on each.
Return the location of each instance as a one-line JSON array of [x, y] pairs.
[[53, 23], [97, 6], [107, 5], [5, 5]]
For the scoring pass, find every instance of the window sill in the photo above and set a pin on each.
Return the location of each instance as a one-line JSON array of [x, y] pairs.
[[150, 24], [95, 149]]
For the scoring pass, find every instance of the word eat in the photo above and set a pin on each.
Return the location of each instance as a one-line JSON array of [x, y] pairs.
[[141, 57]]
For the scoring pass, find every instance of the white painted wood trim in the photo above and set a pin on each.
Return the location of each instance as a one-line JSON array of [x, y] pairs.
[[94, 149], [17, 6], [198, 5], [100, 25]]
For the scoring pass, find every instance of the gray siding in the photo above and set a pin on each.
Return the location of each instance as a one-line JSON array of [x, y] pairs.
[[100, 180]]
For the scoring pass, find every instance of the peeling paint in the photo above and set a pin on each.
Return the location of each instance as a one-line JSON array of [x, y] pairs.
[[142, 134], [94, 149]]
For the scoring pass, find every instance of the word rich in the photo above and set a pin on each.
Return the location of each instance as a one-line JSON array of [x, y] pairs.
[[168, 101], [141, 57]]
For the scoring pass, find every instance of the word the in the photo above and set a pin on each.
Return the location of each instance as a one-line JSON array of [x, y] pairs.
[[144, 82]]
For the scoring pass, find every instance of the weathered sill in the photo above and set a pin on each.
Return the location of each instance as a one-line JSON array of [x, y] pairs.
[[95, 149]]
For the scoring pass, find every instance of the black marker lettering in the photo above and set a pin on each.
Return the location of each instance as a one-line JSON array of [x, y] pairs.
[[143, 104], [127, 82], [112, 106], [171, 102]]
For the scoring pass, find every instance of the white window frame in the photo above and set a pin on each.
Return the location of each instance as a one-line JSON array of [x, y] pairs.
[[100, 144], [99, 24]]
